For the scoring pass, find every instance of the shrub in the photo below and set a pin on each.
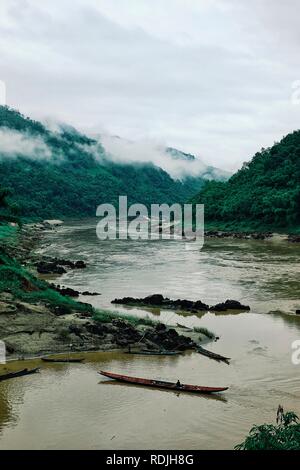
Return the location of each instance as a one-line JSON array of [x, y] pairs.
[[285, 435]]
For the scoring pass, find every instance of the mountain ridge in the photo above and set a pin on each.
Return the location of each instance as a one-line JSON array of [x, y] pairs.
[[263, 194], [68, 174]]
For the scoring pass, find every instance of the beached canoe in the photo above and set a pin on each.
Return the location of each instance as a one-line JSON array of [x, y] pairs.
[[19, 373], [185, 327], [48, 359], [144, 352], [162, 384], [212, 355]]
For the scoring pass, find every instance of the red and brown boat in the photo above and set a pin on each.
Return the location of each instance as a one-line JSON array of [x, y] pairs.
[[163, 384]]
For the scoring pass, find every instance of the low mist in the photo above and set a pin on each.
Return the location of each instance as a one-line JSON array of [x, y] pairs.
[[149, 151], [14, 143]]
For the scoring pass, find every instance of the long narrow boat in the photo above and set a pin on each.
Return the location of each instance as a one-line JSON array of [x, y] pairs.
[[144, 352], [184, 327], [212, 355], [48, 359], [19, 373], [163, 384]]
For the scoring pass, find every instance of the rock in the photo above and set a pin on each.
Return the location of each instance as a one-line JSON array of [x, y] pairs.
[[80, 265], [160, 327], [76, 330], [52, 223], [229, 305], [173, 333], [238, 235], [57, 266], [90, 293], [122, 342], [293, 238], [60, 310], [85, 315], [157, 300], [49, 268], [64, 262], [98, 329], [65, 291], [198, 305]]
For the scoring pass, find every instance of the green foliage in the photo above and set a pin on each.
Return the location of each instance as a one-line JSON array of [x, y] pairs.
[[205, 332], [7, 208], [265, 193], [106, 316], [25, 286], [285, 435], [73, 182]]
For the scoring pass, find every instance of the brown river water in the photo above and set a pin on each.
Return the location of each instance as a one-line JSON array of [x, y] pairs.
[[72, 407]]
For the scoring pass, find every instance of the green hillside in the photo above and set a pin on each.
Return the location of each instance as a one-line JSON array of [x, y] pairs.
[[62, 176], [264, 194]]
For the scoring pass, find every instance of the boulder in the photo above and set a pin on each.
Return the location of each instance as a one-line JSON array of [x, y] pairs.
[[229, 305], [80, 265]]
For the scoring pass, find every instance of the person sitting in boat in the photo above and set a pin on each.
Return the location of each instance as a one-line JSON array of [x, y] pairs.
[[178, 384]]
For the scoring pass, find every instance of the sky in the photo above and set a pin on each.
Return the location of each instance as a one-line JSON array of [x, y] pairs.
[[216, 78]]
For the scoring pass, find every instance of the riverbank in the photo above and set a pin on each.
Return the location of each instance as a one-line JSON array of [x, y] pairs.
[[37, 318]]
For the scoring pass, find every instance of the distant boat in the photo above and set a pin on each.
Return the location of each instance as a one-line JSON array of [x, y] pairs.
[[145, 352], [65, 359], [184, 327], [19, 373], [163, 384], [212, 355]]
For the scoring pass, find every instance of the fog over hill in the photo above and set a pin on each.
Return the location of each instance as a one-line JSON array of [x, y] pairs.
[[52, 170]]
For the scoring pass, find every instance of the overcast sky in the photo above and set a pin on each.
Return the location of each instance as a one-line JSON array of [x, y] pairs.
[[211, 77]]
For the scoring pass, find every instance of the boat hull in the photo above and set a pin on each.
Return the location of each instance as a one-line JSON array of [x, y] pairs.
[[212, 355], [45, 359], [20, 373], [163, 384], [154, 353]]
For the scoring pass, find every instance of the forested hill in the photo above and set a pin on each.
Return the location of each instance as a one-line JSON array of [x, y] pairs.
[[57, 173], [265, 193]]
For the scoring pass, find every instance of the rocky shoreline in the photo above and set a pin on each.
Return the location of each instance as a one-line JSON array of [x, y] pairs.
[[41, 327], [57, 323], [157, 300]]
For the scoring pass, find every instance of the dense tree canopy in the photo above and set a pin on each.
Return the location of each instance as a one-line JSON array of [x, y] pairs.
[[73, 181], [264, 193]]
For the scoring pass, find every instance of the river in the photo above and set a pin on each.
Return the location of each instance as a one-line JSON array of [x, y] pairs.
[[72, 407]]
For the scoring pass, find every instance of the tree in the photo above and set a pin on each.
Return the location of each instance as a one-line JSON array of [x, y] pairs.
[[285, 435], [7, 209]]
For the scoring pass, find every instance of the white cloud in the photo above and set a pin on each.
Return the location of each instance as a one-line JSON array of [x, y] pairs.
[[211, 77], [14, 143]]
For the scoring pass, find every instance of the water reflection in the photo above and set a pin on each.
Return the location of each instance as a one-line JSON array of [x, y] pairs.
[[66, 407]]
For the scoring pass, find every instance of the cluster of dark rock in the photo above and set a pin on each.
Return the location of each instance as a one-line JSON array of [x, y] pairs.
[[69, 292], [158, 300], [121, 333], [293, 238], [57, 266], [229, 305], [239, 235]]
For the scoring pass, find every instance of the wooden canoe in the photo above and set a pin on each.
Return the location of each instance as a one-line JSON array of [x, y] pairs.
[[185, 327], [144, 352], [163, 384], [19, 373], [48, 359], [212, 355]]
